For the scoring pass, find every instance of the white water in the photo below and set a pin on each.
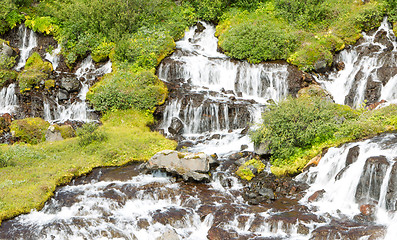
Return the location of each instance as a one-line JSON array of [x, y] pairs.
[[78, 110], [54, 57], [29, 41], [340, 194], [8, 99], [339, 84], [218, 79]]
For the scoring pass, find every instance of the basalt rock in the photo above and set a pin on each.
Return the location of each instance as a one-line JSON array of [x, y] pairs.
[[190, 166], [70, 84], [176, 126]]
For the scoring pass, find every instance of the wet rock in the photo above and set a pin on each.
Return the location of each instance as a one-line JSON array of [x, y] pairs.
[[375, 105], [321, 66], [372, 91], [184, 145], [313, 162], [245, 130], [175, 217], [315, 91], [143, 223], [381, 37], [213, 161], [340, 66], [217, 233], [176, 126], [193, 166], [371, 179], [52, 135], [206, 209], [367, 209], [70, 84], [169, 235], [302, 229], [316, 196], [243, 147], [200, 28], [391, 195], [215, 136], [352, 155], [6, 51], [63, 95], [262, 148]]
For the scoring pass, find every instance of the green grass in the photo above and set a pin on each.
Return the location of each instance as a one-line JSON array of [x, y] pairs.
[[37, 169]]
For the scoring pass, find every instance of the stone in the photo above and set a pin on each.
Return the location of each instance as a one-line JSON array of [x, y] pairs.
[[340, 66], [6, 50], [243, 147], [63, 95], [267, 193], [200, 28], [352, 155], [169, 235], [369, 186], [190, 166], [70, 84], [53, 135], [316, 196], [391, 195], [262, 148], [217, 233], [321, 66], [367, 209], [176, 126]]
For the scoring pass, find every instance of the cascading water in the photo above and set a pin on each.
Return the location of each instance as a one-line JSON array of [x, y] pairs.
[[78, 110], [53, 57], [224, 96], [8, 99], [369, 72], [29, 41]]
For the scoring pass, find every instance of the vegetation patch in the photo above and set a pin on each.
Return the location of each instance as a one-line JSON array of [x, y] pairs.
[[37, 169], [30, 130], [296, 130], [246, 170]]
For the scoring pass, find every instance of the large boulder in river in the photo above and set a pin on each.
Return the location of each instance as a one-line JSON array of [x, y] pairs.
[[176, 126], [70, 84], [191, 166]]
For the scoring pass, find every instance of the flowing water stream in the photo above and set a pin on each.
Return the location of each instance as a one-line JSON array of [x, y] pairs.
[[213, 100]]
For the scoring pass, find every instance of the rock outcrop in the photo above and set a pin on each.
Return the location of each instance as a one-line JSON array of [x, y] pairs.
[[190, 166]]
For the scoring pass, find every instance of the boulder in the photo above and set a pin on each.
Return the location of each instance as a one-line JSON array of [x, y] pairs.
[[191, 166], [262, 148], [316, 196], [6, 50], [70, 84], [176, 126], [63, 95], [52, 134], [321, 66]]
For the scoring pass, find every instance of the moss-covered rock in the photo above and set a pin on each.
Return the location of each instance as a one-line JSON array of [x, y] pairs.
[[67, 131], [35, 62], [312, 56], [49, 84], [29, 79], [250, 168], [29, 130]]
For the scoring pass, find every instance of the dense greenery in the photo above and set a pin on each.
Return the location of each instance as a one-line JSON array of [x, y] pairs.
[[305, 32], [299, 128]]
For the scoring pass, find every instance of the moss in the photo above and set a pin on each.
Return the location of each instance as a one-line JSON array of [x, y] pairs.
[[49, 84], [395, 28], [7, 76], [30, 130], [35, 62], [308, 55], [29, 79], [245, 172], [67, 131]]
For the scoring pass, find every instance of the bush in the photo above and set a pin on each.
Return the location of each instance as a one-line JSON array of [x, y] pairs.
[[102, 51], [7, 76], [89, 133], [29, 79], [30, 130], [46, 25], [124, 90], [296, 124], [245, 170]]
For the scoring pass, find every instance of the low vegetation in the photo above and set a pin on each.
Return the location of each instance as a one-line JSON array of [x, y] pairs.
[[297, 129]]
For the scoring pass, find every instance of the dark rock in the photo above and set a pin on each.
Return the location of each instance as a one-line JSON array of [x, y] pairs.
[[372, 91], [200, 28], [176, 126], [316, 196], [371, 179], [217, 233], [340, 66], [321, 66], [302, 229], [243, 147], [63, 95], [267, 193], [381, 37], [367, 209], [143, 223], [352, 155], [6, 51], [184, 145], [391, 195], [70, 84], [175, 217], [215, 136], [245, 130]]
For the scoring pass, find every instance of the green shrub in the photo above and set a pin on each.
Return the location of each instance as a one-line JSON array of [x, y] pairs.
[[46, 25], [30, 130], [124, 90], [245, 170], [35, 62], [258, 41], [102, 51], [67, 131], [9, 15], [7, 62], [89, 133], [307, 56]]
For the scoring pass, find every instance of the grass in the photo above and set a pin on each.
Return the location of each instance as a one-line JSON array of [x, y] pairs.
[[37, 169]]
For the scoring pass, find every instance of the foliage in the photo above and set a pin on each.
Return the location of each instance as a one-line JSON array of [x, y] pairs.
[[35, 62], [46, 25], [29, 130], [29, 79], [89, 133], [245, 170], [298, 129], [124, 90], [38, 169], [9, 15], [7, 62], [102, 51], [7, 76]]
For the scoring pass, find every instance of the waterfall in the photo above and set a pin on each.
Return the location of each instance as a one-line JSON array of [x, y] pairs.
[[8, 99], [224, 96], [28, 42], [369, 72], [53, 57]]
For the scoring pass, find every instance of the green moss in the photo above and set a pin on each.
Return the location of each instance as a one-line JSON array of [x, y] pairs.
[[7, 76], [29, 79], [67, 131], [102, 51], [35, 62], [244, 171], [49, 84], [38, 169], [395, 28], [309, 55], [30, 130]]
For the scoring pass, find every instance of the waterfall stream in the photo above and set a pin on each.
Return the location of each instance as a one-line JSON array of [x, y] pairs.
[[213, 101]]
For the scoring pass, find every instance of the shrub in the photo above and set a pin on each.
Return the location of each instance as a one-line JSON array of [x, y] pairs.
[[245, 170], [307, 56], [35, 62], [30, 130], [89, 133], [296, 124], [124, 90], [102, 51], [46, 25], [28, 79], [7, 76]]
